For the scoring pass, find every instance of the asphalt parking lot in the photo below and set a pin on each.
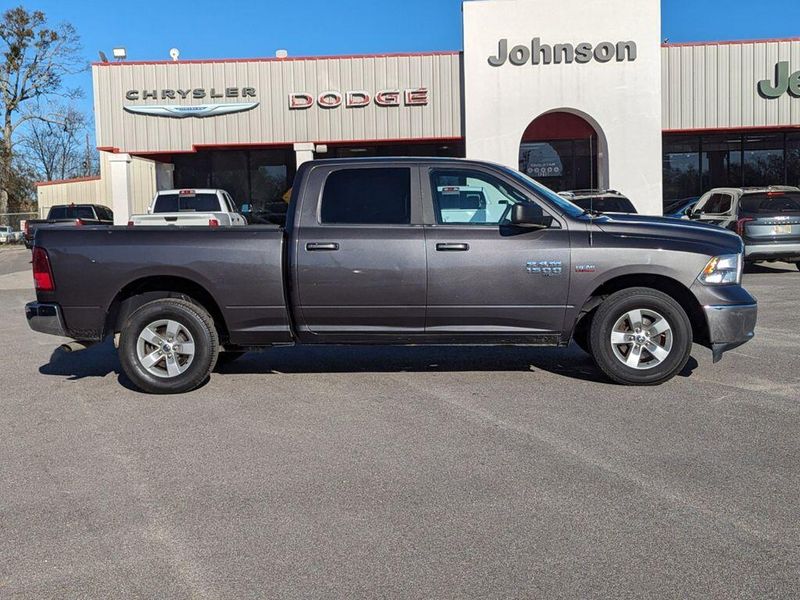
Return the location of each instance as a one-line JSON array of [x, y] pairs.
[[408, 473]]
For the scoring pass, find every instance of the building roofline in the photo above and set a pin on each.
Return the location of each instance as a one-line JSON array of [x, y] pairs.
[[730, 42], [70, 180], [288, 145], [195, 61]]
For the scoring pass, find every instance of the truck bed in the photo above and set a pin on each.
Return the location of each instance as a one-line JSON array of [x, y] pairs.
[[240, 267]]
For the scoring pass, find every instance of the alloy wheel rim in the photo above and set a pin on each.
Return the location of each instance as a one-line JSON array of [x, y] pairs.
[[641, 339], [165, 348]]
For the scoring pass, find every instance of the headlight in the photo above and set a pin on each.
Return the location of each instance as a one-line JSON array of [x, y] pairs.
[[722, 270]]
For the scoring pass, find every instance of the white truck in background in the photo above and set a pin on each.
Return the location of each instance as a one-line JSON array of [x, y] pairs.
[[191, 207]]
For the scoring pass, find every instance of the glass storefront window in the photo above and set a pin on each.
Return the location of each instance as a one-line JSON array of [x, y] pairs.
[[681, 168], [269, 186], [721, 161], [229, 173], [763, 160], [560, 164]]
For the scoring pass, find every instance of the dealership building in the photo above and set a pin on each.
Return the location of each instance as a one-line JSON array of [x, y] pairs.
[[580, 95]]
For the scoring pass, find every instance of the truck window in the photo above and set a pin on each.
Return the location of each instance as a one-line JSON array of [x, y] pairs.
[[104, 213], [203, 202], [464, 197], [367, 196], [717, 204]]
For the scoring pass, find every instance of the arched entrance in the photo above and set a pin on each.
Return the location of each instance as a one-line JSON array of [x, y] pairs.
[[564, 151]]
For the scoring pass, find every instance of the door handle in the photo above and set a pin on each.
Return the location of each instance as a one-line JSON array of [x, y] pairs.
[[322, 246], [452, 247]]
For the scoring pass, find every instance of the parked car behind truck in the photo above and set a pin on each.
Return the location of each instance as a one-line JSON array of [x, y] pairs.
[[196, 207], [62, 215], [399, 251], [766, 218], [8, 235]]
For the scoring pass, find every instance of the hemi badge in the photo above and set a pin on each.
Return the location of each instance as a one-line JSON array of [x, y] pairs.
[[585, 268]]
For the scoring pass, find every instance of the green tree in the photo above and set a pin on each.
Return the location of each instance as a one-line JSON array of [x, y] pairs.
[[35, 58]]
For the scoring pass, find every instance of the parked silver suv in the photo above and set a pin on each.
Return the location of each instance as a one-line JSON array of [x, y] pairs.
[[767, 219]]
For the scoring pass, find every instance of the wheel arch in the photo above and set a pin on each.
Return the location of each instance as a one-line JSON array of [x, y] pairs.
[[662, 283], [153, 287]]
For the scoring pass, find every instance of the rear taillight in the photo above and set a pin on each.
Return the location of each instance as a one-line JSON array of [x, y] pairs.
[[130, 223], [79, 222], [25, 228], [740, 225], [42, 274], [213, 223]]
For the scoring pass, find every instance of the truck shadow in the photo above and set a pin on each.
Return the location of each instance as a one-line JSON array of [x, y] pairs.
[[101, 360]]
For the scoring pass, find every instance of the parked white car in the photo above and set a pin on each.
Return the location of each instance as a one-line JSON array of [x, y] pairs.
[[8, 235], [197, 207]]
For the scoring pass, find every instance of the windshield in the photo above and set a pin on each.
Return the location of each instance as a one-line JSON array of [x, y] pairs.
[[203, 202], [563, 204]]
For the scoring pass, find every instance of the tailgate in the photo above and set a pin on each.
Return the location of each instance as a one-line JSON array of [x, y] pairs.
[[184, 219], [777, 229]]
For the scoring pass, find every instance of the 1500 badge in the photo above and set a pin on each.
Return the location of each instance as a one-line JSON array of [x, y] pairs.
[[548, 268]]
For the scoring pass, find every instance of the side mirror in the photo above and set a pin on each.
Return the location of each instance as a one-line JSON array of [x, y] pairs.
[[530, 216]]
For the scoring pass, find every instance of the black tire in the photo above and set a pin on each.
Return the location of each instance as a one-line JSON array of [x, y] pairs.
[[613, 309], [197, 326]]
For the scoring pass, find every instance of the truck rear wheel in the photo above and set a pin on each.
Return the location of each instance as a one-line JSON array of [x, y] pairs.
[[168, 346], [640, 336]]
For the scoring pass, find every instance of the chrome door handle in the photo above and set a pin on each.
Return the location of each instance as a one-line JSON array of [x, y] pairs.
[[322, 246], [452, 247]]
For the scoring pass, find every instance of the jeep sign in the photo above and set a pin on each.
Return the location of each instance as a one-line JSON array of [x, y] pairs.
[[784, 83]]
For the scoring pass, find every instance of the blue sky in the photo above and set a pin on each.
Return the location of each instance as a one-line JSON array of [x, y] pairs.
[[237, 28]]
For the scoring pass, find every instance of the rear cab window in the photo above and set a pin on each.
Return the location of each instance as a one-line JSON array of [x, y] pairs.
[[367, 196], [187, 202], [71, 212]]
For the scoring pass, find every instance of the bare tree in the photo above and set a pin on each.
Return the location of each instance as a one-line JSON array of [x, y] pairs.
[[58, 150], [35, 59]]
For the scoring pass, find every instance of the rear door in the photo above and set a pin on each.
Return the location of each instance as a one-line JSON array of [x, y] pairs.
[[359, 253], [485, 276]]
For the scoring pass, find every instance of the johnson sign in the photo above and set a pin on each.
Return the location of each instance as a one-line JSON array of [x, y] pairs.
[[359, 98], [538, 53]]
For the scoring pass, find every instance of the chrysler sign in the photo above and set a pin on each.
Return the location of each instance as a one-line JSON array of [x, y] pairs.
[[178, 111], [182, 111]]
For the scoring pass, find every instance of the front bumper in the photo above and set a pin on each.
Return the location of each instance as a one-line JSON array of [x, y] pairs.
[[730, 326], [45, 318], [771, 251]]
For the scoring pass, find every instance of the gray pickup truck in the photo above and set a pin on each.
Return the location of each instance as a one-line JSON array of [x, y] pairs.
[[399, 251]]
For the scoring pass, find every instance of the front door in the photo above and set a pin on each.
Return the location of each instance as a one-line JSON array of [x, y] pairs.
[[360, 255], [486, 276]]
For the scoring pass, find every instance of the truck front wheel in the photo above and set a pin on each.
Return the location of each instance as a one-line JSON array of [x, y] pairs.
[[168, 346], [640, 336]]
